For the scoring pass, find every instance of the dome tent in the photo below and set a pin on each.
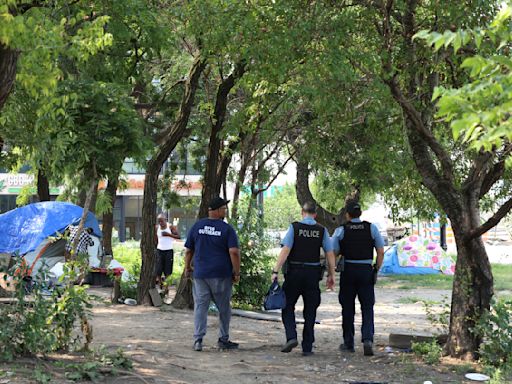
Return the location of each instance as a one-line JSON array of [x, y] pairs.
[[415, 255], [30, 231]]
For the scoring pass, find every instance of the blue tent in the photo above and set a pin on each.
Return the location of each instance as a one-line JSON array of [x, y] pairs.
[[24, 228]]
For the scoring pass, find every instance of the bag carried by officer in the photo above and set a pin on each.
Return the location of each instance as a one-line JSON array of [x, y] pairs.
[[275, 298]]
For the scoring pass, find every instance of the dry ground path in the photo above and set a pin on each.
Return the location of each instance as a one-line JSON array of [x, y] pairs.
[[160, 343]]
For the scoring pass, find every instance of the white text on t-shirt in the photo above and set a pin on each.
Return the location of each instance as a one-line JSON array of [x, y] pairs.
[[210, 231]]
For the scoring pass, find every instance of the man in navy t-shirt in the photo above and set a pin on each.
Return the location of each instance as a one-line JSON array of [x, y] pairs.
[[213, 245]]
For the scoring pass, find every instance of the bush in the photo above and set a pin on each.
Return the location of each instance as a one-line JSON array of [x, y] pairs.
[[255, 265], [129, 287], [439, 319], [128, 254], [46, 323], [495, 329], [430, 353]]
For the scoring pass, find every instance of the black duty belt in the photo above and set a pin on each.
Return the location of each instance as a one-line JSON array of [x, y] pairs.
[[301, 264]]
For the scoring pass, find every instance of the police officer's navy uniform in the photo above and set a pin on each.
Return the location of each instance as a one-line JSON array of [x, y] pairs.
[[304, 238], [355, 241]]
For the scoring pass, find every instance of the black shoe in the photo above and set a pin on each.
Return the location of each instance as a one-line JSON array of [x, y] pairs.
[[307, 353], [346, 348], [290, 344], [226, 344], [368, 348], [198, 345]]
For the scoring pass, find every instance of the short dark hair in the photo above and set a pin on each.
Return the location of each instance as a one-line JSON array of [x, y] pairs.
[[353, 208], [309, 207]]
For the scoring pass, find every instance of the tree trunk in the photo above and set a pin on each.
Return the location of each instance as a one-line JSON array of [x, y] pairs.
[[8, 61], [472, 293], [328, 219], [215, 172], [43, 186], [108, 217], [169, 141], [147, 241], [211, 184], [183, 298], [85, 212], [239, 183]]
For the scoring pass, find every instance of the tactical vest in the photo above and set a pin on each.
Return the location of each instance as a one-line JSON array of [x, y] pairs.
[[357, 242], [307, 240]]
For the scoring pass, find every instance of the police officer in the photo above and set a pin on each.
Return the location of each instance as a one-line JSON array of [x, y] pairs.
[[355, 241], [301, 252]]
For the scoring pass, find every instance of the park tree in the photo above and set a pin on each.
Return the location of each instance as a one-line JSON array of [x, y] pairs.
[[169, 138], [457, 176], [478, 113]]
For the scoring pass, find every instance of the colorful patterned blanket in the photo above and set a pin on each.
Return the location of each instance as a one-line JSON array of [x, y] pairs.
[[415, 251]]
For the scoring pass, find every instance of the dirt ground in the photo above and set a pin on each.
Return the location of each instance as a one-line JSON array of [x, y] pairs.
[[159, 341]]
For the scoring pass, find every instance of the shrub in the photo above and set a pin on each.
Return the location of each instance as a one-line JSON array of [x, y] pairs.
[[430, 353], [255, 265], [129, 286], [45, 323], [495, 329], [440, 320]]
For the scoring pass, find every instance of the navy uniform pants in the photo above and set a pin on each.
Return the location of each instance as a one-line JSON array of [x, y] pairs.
[[357, 280], [301, 281]]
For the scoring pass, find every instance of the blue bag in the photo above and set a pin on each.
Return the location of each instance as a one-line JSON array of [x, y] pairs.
[[275, 298]]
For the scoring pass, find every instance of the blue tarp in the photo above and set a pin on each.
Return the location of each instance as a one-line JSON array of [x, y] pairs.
[[24, 228], [391, 266]]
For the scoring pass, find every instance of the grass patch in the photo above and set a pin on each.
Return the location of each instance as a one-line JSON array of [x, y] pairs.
[[501, 272], [128, 254], [409, 300], [502, 280], [417, 281]]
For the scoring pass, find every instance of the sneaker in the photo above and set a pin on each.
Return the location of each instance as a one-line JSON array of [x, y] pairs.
[[227, 344], [368, 348], [198, 345], [307, 353], [346, 348], [290, 344]]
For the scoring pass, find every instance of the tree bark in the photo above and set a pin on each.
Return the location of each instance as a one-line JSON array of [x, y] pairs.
[[43, 186], [215, 173], [108, 217], [328, 219], [183, 298], [8, 61], [238, 186], [85, 212], [170, 140], [471, 296]]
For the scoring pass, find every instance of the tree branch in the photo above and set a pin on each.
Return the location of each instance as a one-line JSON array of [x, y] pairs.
[[279, 171], [328, 219], [427, 136], [491, 222], [496, 172], [476, 173]]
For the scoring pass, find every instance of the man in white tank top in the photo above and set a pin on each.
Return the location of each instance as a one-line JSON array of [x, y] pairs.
[[165, 235]]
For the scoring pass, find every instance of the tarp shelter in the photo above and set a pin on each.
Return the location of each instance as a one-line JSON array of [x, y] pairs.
[[415, 255], [30, 231]]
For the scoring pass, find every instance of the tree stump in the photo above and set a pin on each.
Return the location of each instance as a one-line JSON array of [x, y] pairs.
[[184, 298]]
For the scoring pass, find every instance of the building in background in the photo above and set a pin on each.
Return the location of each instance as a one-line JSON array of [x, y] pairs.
[[128, 204]]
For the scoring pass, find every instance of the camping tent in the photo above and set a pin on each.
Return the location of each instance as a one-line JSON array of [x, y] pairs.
[[31, 231], [415, 255]]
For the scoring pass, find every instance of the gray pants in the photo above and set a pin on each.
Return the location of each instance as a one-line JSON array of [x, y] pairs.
[[218, 290]]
